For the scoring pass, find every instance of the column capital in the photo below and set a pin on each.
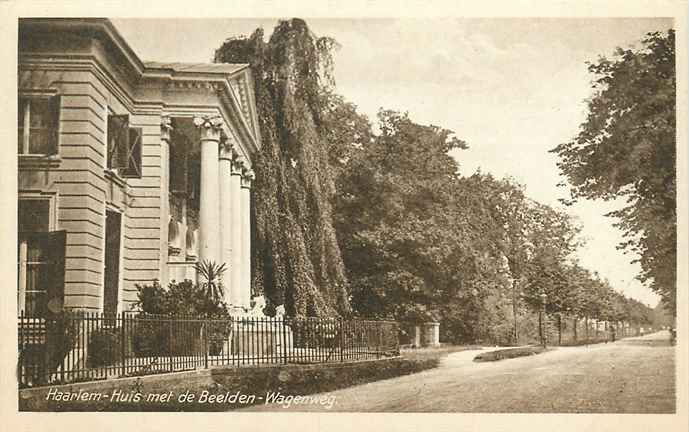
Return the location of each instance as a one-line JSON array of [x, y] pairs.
[[211, 126], [228, 146], [238, 164], [165, 127], [247, 178]]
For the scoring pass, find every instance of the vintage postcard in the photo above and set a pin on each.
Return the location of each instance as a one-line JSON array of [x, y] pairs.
[[323, 216]]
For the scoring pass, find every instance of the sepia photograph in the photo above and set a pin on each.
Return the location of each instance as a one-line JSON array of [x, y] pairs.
[[297, 214]]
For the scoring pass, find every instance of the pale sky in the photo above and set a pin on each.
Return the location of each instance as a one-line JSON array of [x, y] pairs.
[[511, 88]]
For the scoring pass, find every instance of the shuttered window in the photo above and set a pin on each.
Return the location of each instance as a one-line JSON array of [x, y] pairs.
[[38, 125], [118, 139], [124, 147], [41, 261], [132, 167]]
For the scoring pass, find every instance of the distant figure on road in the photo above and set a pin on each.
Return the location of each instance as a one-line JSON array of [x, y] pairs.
[[612, 333]]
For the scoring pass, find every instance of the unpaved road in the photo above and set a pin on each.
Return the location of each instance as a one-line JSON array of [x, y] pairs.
[[634, 375]]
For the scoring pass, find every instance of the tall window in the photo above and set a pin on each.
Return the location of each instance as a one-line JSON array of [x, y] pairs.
[[124, 147], [38, 125], [41, 256]]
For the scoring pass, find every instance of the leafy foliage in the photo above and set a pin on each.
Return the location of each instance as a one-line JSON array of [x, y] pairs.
[[382, 224], [626, 149], [390, 217], [420, 242], [297, 259], [179, 299]]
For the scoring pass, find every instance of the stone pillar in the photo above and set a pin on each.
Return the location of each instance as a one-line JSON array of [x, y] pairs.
[[245, 206], [226, 208], [235, 268], [417, 336], [209, 211], [165, 128], [431, 335]]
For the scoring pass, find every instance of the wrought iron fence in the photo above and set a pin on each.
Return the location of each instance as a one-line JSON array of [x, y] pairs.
[[75, 347]]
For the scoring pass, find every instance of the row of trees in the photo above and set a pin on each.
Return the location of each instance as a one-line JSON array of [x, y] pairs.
[[383, 224], [420, 241]]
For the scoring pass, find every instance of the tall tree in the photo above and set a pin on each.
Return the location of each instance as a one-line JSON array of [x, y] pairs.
[[296, 255], [392, 218], [626, 148]]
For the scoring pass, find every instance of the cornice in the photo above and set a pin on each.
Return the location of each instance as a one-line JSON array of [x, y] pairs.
[[89, 63], [96, 26], [241, 106]]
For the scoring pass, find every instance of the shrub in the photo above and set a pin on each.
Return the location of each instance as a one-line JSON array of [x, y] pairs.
[[509, 353], [179, 299], [148, 339], [105, 347]]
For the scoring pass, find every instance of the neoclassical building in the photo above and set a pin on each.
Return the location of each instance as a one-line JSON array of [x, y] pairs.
[[129, 171]]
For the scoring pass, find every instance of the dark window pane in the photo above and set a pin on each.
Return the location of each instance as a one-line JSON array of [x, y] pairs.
[[35, 252], [40, 113], [36, 276], [20, 110], [43, 117], [44, 271], [20, 141], [118, 138], [34, 215], [40, 141], [20, 125]]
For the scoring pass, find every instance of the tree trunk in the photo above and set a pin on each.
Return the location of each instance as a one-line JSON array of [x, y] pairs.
[[515, 332], [540, 327], [574, 321]]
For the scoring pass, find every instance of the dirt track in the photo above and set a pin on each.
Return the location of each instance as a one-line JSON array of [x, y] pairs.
[[634, 375]]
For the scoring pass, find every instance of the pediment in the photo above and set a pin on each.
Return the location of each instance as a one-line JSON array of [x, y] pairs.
[[244, 94]]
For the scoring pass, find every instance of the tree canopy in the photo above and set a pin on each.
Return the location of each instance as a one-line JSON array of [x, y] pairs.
[[382, 224], [626, 149]]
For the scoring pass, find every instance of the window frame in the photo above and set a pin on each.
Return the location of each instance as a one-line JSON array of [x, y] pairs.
[[128, 161], [23, 240], [25, 128]]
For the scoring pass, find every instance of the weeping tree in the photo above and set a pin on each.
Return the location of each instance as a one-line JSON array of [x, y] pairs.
[[296, 256]]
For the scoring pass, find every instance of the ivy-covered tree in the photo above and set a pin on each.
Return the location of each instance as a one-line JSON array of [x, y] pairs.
[[626, 149], [296, 255]]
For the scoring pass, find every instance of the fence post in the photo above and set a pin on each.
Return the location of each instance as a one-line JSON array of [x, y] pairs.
[[379, 342], [284, 339], [65, 331], [169, 341], [123, 341], [205, 343], [341, 323]]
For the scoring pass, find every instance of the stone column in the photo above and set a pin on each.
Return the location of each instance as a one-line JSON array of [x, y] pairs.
[[209, 211], [235, 262], [165, 128], [245, 206], [226, 205]]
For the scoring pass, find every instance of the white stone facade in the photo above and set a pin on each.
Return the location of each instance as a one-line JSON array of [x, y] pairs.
[[134, 170]]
